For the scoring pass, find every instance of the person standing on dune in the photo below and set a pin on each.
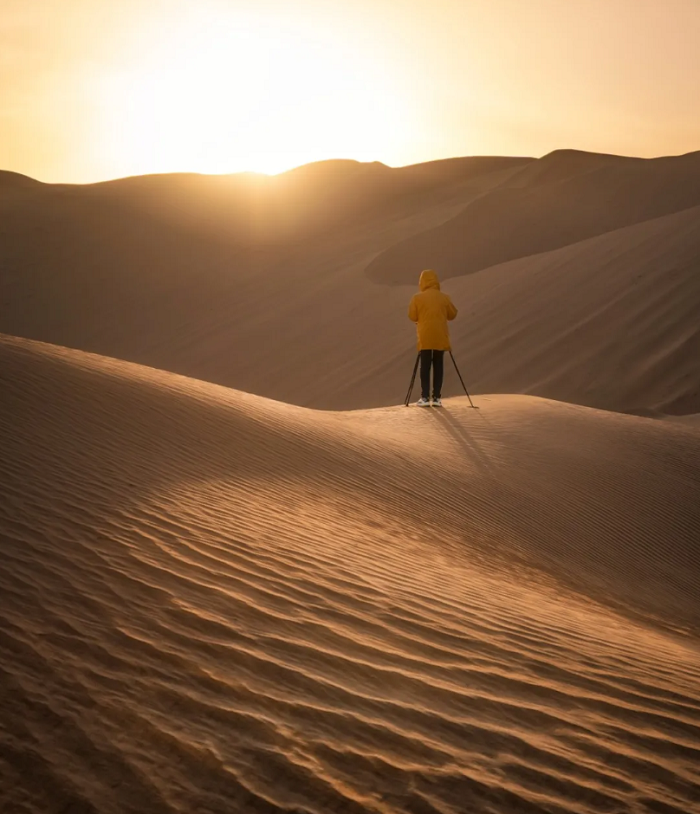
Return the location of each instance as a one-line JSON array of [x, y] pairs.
[[431, 310]]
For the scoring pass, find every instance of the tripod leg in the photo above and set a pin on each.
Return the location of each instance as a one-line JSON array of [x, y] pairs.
[[461, 379], [413, 378]]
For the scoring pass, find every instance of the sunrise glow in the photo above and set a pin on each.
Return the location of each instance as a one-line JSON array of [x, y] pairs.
[[225, 93], [98, 89]]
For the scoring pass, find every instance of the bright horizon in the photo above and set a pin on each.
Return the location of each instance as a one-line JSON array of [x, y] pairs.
[[103, 89]]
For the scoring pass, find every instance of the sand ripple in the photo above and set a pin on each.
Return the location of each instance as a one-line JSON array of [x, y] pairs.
[[215, 603]]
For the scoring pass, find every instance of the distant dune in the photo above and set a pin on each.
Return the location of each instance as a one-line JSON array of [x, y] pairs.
[[562, 165], [270, 285], [213, 602], [15, 180], [562, 200], [609, 321]]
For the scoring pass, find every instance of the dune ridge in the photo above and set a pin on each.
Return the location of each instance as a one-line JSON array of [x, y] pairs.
[[555, 208], [606, 322], [189, 273], [212, 601]]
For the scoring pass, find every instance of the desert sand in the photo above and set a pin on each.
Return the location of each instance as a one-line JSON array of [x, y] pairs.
[[216, 602], [237, 577], [242, 280]]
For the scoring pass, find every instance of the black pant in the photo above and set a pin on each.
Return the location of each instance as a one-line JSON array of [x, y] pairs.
[[428, 357]]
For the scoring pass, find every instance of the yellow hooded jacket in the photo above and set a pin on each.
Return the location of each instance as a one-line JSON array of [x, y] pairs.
[[431, 309]]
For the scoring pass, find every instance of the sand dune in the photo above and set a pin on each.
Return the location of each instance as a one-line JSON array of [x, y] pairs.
[[562, 165], [182, 259], [608, 322], [514, 221], [160, 270], [15, 180], [192, 274], [213, 602], [250, 211]]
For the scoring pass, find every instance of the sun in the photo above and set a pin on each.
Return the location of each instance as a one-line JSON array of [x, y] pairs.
[[224, 94]]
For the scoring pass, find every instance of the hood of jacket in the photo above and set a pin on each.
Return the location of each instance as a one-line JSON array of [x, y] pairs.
[[429, 279]]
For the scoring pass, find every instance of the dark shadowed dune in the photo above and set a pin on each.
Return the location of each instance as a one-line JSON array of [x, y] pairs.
[[549, 212], [609, 321], [173, 272], [561, 165], [170, 270], [15, 180], [255, 211]]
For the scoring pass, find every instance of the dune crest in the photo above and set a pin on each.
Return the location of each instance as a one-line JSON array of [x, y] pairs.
[[214, 602], [559, 200]]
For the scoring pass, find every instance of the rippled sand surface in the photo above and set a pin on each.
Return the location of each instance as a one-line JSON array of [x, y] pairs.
[[213, 602]]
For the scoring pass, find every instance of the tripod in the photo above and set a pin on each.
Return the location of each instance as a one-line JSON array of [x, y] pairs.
[[413, 379]]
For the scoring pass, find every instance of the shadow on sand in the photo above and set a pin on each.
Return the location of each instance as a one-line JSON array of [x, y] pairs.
[[459, 431]]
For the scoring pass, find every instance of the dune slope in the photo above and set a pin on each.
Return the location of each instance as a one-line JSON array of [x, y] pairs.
[[213, 602], [610, 322], [181, 272], [554, 208], [190, 274]]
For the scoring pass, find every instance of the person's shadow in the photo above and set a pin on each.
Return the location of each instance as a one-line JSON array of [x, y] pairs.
[[462, 436]]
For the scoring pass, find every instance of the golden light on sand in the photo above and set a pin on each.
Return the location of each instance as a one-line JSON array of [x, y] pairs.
[[225, 93]]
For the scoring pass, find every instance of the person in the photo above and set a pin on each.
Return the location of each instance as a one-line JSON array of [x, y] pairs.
[[431, 310]]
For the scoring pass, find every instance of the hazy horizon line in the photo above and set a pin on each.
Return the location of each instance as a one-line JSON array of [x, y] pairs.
[[339, 160]]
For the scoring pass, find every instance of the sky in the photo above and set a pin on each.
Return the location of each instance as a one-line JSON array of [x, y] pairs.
[[99, 89]]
